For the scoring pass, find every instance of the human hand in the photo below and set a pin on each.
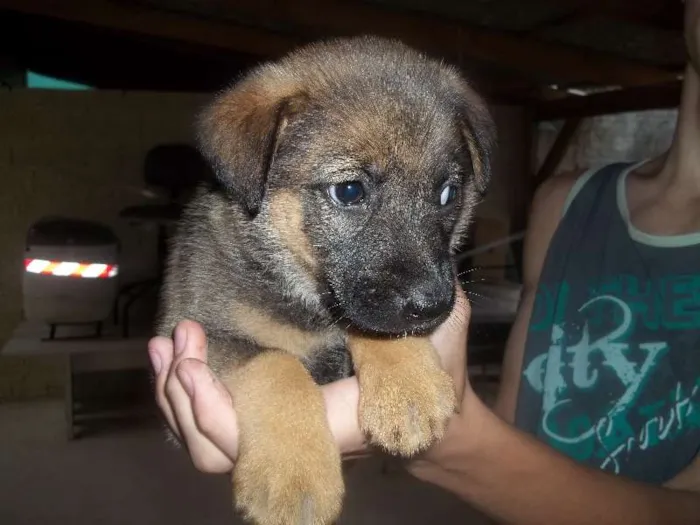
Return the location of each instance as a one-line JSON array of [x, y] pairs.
[[197, 407], [200, 410]]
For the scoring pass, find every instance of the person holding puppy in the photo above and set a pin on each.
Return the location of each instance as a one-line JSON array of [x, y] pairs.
[[598, 414]]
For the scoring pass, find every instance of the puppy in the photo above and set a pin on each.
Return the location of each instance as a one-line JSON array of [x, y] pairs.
[[346, 174]]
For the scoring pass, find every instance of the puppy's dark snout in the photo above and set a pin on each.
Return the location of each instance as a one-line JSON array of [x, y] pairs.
[[400, 298], [426, 302]]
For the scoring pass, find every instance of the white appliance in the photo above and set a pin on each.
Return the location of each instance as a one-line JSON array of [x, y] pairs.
[[70, 272]]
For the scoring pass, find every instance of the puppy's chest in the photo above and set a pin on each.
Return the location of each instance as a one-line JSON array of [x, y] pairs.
[[329, 364], [323, 352]]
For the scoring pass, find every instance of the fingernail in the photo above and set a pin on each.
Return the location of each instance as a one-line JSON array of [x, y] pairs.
[[180, 339], [156, 361], [186, 381]]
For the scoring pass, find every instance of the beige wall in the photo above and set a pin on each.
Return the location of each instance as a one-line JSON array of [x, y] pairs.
[[79, 154]]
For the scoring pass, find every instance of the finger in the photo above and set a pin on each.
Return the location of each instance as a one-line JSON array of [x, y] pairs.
[[450, 340], [160, 350], [189, 341], [194, 344], [453, 331], [213, 409], [457, 360], [342, 400]]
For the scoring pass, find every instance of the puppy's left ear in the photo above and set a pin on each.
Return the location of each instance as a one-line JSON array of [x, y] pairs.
[[479, 134], [239, 134]]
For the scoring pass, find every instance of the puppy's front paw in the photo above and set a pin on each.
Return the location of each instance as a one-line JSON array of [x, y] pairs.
[[406, 399], [287, 480], [288, 470]]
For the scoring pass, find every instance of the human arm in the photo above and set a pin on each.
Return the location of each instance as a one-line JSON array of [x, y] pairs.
[[515, 479], [518, 480]]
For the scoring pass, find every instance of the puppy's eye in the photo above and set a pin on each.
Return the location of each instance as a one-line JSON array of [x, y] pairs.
[[347, 193], [447, 194]]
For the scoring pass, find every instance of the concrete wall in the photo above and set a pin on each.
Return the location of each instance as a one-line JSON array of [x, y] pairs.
[[612, 138], [79, 154]]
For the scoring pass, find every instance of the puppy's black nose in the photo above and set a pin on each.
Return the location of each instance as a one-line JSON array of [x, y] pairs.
[[425, 303]]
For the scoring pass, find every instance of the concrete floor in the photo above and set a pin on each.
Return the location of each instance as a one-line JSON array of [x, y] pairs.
[[131, 476]]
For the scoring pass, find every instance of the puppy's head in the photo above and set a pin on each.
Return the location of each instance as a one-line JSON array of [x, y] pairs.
[[368, 159]]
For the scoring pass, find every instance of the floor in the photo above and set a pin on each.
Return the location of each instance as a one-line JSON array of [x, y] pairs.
[[131, 476]]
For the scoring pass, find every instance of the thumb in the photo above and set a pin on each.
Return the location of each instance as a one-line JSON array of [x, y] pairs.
[[212, 406]]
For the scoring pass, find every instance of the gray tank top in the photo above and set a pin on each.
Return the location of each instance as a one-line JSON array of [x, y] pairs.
[[611, 370]]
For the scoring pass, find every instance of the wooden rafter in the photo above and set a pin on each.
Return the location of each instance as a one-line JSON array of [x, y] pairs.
[[558, 150], [103, 13], [661, 96], [645, 12], [455, 40], [449, 39]]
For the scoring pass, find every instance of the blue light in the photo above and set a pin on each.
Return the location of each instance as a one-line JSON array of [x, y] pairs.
[[37, 81]]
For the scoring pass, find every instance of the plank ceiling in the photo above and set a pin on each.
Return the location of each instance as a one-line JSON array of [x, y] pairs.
[[562, 57]]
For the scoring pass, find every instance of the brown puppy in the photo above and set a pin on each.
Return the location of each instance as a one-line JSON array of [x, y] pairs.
[[346, 175]]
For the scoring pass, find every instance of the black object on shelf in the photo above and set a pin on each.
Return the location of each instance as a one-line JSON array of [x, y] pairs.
[[175, 169]]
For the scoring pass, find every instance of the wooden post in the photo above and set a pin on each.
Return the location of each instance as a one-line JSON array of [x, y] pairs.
[[558, 150], [522, 190]]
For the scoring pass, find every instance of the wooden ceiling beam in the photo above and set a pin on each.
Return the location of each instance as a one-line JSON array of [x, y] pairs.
[[558, 150], [449, 39], [662, 96], [456, 40], [112, 15], [657, 14]]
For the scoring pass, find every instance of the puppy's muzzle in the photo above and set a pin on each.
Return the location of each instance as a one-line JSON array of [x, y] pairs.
[[400, 302], [424, 303]]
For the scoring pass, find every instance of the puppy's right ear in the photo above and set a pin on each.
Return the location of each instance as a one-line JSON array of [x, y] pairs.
[[239, 133]]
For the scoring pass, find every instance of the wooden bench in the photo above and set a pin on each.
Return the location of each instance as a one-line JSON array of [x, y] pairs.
[[90, 364]]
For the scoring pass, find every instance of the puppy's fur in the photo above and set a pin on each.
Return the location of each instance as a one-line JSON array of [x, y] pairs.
[[296, 289]]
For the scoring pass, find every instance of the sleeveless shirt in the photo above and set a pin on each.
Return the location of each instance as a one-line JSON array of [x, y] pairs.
[[611, 369]]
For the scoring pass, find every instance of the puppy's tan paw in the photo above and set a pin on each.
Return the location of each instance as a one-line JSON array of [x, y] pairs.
[[303, 486], [289, 468], [406, 399]]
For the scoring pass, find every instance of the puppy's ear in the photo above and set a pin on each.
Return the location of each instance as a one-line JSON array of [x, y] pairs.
[[478, 133], [239, 134]]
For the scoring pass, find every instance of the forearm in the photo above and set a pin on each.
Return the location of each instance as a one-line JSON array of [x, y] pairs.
[[515, 479]]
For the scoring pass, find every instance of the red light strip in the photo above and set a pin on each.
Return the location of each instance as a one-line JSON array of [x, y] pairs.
[[71, 269]]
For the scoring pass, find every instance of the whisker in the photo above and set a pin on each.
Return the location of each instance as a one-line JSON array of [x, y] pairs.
[[336, 322], [471, 294], [477, 301], [469, 270], [468, 281]]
